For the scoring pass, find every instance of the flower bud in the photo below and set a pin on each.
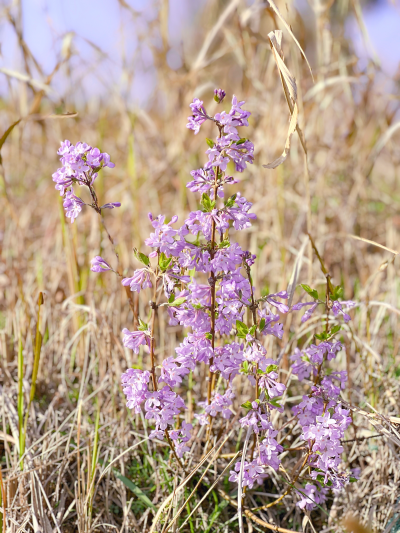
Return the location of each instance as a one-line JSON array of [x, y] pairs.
[[219, 95]]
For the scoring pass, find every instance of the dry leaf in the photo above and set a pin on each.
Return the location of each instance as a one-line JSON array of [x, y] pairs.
[[290, 89], [24, 77], [289, 29]]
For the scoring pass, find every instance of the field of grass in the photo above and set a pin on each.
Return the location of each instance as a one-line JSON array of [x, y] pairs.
[[73, 457]]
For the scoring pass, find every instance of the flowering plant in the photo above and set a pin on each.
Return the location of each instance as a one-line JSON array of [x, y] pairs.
[[203, 278]]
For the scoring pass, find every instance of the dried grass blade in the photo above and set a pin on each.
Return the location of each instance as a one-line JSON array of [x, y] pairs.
[[364, 31], [240, 480], [3, 504], [200, 480], [382, 141], [253, 517], [27, 79], [47, 501], [290, 89], [373, 242], [210, 489], [295, 273], [20, 401], [200, 61], [289, 29], [181, 486], [321, 85]]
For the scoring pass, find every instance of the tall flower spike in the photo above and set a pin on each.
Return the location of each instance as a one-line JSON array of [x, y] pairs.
[[207, 281]]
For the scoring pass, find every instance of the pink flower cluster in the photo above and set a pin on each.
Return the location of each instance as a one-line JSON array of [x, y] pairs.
[[80, 165]]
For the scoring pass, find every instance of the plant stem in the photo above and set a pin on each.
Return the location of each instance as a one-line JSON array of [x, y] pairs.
[[154, 307], [212, 283], [94, 459], [20, 405], [36, 360], [3, 524], [287, 491], [253, 308], [134, 308], [323, 268]]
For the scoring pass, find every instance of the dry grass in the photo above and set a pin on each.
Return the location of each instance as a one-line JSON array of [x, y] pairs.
[[88, 463]]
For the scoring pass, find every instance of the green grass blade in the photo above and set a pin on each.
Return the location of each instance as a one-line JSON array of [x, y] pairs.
[[96, 440], [35, 371], [20, 401], [135, 489]]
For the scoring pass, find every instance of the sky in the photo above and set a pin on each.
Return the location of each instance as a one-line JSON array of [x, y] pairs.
[[382, 20], [102, 33], [108, 38]]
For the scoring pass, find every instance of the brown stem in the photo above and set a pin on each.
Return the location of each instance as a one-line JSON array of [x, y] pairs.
[[154, 307], [323, 268], [253, 310], [132, 304], [153, 341], [328, 303], [253, 517], [287, 491], [3, 497], [296, 477], [212, 282]]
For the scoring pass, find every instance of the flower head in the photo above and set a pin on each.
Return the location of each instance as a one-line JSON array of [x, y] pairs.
[[219, 95], [99, 265]]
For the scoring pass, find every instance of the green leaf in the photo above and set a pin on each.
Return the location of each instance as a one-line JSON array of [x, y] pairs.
[[142, 325], [178, 302], [141, 257], [231, 201], [247, 405], [271, 368], [206, 202], [224, 244], [322, 336], [252, 329], [245, 366], [164, 261], [335, 329], [209, 336], [6, 134], [312, 292], [337, 293], [171, 298], [353, 479], [261, 325], [242, 329], [210, 142], [241, 141], [135, 489], [274, 401]]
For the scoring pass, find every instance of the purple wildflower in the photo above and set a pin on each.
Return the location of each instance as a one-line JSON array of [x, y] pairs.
[[134, 339], [99, 265], [72, 205], [199, 116], [139, 280], [134, 384]]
